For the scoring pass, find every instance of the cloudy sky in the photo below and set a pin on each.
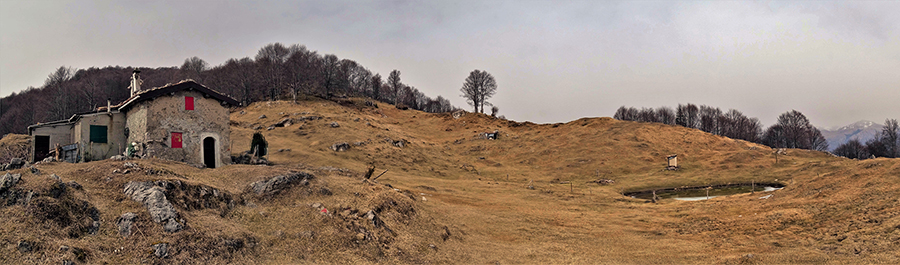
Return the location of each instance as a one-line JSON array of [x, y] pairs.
[[837, 62]]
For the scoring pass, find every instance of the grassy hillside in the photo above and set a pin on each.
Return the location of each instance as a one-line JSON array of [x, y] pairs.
[[454, 197]]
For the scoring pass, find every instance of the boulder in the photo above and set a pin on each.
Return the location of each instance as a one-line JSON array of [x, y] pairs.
[[334, 124], [15, 163], [340, 147], [154, 199], [284, 123], [173, 226], [7, 181], [161, 250], [276, 184], [125, 222]]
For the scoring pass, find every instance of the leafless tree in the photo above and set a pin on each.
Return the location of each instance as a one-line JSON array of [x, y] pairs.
[[793, 130], [57, 82], [852, 149], [890, 135], [302, 67], [376, 83], [709, 119], [478, 87], [271, 59], [194, 67], [396, 87], [687, 116], [665, 115]]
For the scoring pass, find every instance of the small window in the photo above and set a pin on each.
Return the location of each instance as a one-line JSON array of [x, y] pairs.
[[176, 140], [98, 134], [188, 103]]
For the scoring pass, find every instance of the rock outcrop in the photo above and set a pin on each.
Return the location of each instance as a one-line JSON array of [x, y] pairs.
[[154, 199]]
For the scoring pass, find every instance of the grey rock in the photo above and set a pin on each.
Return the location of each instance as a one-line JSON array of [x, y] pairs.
[[277, 183], [25, 246], [161, 250], [262, 116], [95, 226], [74, 185], [15, 163], [130, 165], [284, 123], [68, 262], [8, 181], [125, 222], [334, 124], [63, 248], [34, 170], [340, 147], [55, 177], [154, 199], [173, 226]]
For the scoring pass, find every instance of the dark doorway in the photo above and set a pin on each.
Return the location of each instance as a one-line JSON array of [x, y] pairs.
[[41, 147], [209, 152]]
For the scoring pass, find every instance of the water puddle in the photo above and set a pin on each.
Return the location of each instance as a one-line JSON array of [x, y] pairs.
[[705, 192]]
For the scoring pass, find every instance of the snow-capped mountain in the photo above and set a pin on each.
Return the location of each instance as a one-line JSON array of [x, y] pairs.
[[861, 130]]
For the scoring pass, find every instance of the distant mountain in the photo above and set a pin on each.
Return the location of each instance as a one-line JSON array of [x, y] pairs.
[[861, 130]]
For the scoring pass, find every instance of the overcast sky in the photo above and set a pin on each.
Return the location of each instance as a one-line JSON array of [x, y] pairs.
[[837, 62]]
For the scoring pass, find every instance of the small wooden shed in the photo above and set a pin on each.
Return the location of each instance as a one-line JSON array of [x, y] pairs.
[[672, 162]]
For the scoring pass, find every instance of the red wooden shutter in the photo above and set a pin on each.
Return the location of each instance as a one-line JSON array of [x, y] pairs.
[[188, 103], [176, 140]]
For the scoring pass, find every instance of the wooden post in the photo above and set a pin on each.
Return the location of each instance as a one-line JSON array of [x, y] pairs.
[[752, 186], [379, 175], [570, 187]]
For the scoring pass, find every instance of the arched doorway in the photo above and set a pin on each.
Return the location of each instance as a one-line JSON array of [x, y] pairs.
[[209, 152]]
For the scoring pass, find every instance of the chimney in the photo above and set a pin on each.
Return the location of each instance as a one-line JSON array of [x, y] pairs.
[[135, 82], [108, 105]]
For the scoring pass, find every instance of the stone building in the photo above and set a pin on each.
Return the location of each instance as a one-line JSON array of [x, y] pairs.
[[185, 122]]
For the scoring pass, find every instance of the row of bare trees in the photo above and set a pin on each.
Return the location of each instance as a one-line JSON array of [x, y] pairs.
[[885, 144], [280, 71], [792, 130], [276, 72]]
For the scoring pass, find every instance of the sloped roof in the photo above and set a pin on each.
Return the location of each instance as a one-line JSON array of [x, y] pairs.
[[164, 90]]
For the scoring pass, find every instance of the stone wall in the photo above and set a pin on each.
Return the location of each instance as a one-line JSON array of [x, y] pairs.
[[152, 122]]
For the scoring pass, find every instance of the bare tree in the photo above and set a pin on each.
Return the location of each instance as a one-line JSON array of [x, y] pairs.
[[194, 66], [302, 69], [687, 116], [793, 130], [709, 119], [396, 87], [56, 81], [890, 135], [665, 115], [478, 87], [271, 58], [376, 83], [852, 149]]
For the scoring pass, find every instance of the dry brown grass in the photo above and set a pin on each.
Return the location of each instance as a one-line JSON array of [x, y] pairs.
[[833, 210]]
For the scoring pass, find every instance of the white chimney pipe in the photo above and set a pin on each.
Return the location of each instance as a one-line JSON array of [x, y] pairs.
[[135, 82], [108, 105]]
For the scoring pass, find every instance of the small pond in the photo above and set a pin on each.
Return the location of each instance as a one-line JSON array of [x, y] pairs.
[[700, 192]]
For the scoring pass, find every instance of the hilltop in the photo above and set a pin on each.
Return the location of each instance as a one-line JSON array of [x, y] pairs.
[[452, 196]]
